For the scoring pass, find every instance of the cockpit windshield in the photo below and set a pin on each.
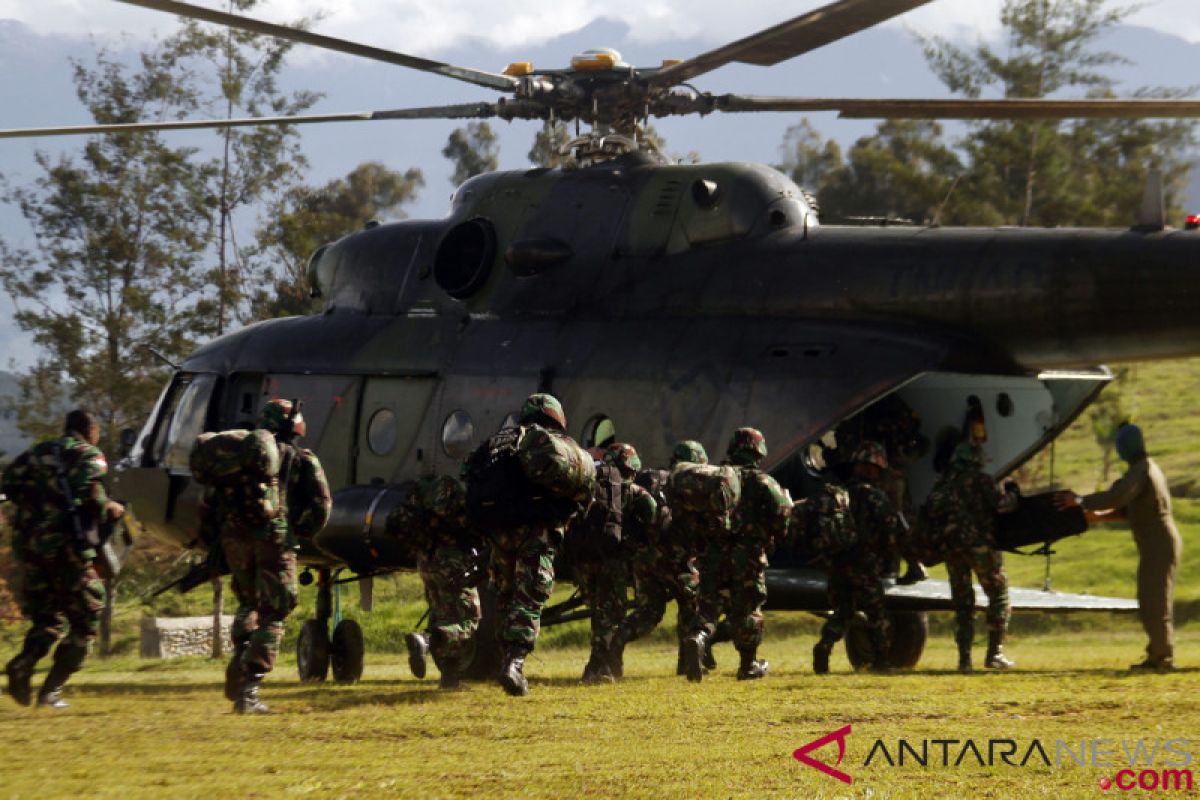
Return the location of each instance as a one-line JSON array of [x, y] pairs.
[[181, 420]]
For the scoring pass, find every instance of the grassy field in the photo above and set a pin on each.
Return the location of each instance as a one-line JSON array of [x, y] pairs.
[[162, 730]]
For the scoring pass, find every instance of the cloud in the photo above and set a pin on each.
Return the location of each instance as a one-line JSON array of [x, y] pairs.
[[424, 28]]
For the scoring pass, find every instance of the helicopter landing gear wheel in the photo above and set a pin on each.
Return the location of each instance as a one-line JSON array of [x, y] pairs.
[[312, 651], [907, 632], [346, 652]]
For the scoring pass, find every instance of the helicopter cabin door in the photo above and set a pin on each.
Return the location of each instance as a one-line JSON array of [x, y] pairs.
[[390, 417]]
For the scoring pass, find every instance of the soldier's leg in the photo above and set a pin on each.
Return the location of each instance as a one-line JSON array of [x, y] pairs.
[[533, 581], [239, 555], [962, 598], [454, 614], [869, 599], [650, 596], [841, 601], [746, 620], [713, 596], [35, 593], [1155, 592], [277, 592], [81, 597]]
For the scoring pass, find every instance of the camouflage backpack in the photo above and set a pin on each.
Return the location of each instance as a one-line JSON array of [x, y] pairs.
[[244, 467], [553, 462], [705, 492], [234, 457], [499, 492], [654, 481], [597, 534], [829, 528]]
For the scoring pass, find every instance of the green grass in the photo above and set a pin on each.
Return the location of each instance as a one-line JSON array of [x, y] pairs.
[[162, 729]]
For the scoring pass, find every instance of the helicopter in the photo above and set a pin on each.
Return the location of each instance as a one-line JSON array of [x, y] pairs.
[[662, 302]]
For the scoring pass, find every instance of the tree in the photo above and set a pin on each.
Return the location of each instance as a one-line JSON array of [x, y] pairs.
[[1105, 416], [1044, 172], [806, 159], [120, 230], [903, 170], [235, 74], [307, 217], [549, 144], [473, 150]]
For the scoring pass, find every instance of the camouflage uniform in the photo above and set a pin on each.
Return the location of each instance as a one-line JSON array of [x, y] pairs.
[[262, 554], [433, 520], [57, 581], [664, 569], [604, 581], [961, 520], [521, 569], [732, 571], [856, 575]]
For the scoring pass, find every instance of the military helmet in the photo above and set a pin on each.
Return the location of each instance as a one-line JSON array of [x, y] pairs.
[[689, 452], [966, 455], [870, 452], [624, 457], [748, 446], [276, 416], [543, 409]]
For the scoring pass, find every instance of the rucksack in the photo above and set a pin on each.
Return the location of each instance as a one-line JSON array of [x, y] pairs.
[[706, 493], [499, 492], [829, 528], [597, 535], [234, 457], [245, 466], [653, 481], [553, 462]]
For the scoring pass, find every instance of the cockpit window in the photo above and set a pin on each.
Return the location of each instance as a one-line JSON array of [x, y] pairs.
[[183, 420]]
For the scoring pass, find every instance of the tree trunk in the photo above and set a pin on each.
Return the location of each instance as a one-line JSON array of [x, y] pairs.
[[110, 600], [218, 601]]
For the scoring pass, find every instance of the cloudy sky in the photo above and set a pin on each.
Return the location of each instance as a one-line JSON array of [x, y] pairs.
[[425, 28]]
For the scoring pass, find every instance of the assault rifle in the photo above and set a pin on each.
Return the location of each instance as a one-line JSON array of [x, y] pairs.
[[214, 565]]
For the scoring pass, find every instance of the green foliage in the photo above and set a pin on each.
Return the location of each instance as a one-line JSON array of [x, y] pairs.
[[549, 144], [120, 232], [305, 218], [234, 73], [1105, 416], [473, 150]]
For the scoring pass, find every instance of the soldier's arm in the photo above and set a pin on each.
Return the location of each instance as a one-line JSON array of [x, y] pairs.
[[86, 477]]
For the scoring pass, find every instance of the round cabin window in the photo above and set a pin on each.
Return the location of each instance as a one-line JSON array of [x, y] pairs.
[[458, 435], [382, 432]]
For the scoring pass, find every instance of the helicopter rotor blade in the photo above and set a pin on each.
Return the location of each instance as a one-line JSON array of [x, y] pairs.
[[507, 110], [489, 80], [799, 35], [968, 109]]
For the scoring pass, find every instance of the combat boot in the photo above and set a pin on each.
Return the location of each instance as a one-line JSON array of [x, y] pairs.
[[750, 668], [418, 652], [234, 673], [449, 681], [511, 677], [963, 637], [995, 658], [915, 573], [20, 672], [721, 633], [693, 656], [50, 695], [248, 702], [821, 652]]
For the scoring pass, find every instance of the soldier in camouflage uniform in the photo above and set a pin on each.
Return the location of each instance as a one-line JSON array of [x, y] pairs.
[[960, 518], [433, 521], [856, 574], [521, 569], [58, 581], [733, 567], [262, 556], [604, 579], [664, 561]]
